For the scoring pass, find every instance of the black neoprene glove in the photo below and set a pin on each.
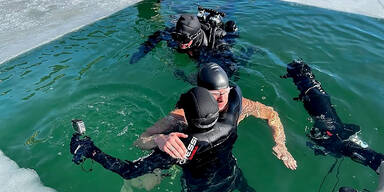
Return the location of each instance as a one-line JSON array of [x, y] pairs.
[[82, 147]]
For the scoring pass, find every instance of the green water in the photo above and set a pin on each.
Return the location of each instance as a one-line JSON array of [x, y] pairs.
[[86, 74]]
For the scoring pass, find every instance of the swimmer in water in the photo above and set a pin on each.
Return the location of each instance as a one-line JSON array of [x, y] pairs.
[[208, 166]]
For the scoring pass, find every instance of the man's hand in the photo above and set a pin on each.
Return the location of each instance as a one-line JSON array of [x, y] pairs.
[[172, 144], [281, 152], [82, 147]]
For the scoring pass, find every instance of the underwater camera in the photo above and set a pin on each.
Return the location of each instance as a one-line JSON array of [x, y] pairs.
[[215, 19], [78, 126], [202, 10]]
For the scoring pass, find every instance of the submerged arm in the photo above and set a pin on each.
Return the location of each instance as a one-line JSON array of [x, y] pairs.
[[129, 169], [84, 147], [262, 111], [151, 42]]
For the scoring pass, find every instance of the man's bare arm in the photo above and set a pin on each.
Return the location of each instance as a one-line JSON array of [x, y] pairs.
[[262, 111], [154, 137]]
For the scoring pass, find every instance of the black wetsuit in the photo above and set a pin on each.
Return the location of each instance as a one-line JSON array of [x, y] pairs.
[[328, 130], [212, 45], [210, 166]]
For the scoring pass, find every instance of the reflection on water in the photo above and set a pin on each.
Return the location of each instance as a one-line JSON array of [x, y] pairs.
[[148, 10], [87, 75], [33, 140], [89, 65]]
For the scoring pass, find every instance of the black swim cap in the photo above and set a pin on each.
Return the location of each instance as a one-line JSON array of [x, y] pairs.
[[212, 77], [188, 24], [201, 109]]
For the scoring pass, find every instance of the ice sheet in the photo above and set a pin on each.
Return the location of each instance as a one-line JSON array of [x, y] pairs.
[[26, 24]]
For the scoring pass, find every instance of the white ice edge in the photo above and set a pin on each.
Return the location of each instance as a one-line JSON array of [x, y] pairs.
[[16, 179], [371, 8], [27, 24]]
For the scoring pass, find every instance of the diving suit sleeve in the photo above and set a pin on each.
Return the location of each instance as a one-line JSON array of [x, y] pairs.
[[151, 42], [133, 169]]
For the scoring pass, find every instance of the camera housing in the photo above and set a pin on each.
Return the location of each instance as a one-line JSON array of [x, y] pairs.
[[214, 17], [79, 126]]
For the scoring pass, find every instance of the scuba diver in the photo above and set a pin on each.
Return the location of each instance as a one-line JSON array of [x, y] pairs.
[[208, 165], [329, 134], [205, 38], [212, 77]]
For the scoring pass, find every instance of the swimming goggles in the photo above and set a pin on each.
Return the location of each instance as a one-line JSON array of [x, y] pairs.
[[217, 93]]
